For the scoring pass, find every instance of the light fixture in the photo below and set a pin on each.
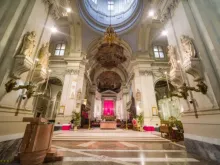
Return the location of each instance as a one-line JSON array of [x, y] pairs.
[[49, 70], [36, 59], [54, 30], [165, 72], [164, 33], [178, 61], [151, 13], [68, 10]]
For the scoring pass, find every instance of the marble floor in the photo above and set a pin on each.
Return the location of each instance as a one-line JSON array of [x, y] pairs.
[[99, 147]]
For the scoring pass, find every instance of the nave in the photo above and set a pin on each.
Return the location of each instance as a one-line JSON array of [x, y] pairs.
[[116, 147]]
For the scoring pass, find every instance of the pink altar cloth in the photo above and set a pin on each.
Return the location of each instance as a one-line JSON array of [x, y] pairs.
[[66, 126], [149, 128]]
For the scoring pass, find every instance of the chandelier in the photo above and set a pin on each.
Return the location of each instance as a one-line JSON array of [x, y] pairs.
[[110, 53]]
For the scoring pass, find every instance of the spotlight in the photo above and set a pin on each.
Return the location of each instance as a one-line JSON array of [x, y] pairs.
[[49, 70], [54, 29], [151, 13], [178, 61], [164, 33], [165, 72], [68, 10], [36, 59]]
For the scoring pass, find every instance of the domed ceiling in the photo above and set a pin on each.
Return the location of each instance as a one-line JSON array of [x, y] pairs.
[[122, 14]]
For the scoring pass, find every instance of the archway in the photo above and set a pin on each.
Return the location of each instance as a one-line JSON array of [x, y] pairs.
[[47, 104]]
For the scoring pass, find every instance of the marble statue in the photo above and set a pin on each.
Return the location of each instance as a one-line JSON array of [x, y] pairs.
[[44, 55], [188, 47], [28, 43], [172, 56], [138, 95]]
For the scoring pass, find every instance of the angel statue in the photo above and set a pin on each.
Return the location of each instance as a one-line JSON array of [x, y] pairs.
[[28, 43], [172, 56], [188, 47], [44, 55]]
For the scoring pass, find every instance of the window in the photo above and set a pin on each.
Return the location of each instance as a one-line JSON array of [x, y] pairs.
[[94, 1], [158, 52], [60, 49], [110, 5]]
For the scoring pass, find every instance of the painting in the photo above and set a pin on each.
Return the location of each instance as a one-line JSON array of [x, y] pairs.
[[62, 109], [154, 111]]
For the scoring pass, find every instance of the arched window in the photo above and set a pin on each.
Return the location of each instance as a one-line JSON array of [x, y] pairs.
[[60, 49], [158, 52]]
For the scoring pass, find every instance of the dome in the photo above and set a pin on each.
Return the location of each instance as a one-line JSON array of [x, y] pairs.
[[121, 14]]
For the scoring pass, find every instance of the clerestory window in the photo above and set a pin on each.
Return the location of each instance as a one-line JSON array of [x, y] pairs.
[[60, 49], [158, 52]]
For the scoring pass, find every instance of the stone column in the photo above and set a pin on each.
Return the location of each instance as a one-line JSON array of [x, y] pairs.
[[148, 97], [125, 101], [68, 98], [92, 101]]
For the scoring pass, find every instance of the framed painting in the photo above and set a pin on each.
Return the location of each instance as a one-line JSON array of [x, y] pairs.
[[154, 111], [62, 109]]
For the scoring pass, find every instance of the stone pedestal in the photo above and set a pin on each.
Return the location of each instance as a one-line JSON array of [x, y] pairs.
[[36, 143]]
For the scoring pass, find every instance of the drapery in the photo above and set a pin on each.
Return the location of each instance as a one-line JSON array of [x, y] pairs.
[[108, 108]]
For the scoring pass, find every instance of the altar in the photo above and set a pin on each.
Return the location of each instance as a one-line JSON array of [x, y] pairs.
[[108, 125]]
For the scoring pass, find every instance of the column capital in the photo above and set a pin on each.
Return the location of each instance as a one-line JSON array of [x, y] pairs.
[[147, 72], [72, 71]]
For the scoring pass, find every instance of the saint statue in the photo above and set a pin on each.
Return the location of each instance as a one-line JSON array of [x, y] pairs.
[[44, 55], [138, 95], [188, 47], [28, 43], [172, 56]]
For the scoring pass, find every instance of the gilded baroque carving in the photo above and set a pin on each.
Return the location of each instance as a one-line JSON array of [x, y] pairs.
[[169, 9]]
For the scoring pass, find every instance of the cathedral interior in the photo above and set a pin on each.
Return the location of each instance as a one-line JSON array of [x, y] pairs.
[[108, 82]]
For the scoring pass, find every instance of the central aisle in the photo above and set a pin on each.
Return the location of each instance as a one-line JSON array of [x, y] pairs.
[[120, 147]]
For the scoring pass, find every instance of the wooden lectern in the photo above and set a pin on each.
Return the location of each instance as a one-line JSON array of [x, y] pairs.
[[36, 143]]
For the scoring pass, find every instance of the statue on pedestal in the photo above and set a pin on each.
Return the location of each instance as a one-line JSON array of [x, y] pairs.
[[44, 55], [28, 44], [172, 56], [188, 47]]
